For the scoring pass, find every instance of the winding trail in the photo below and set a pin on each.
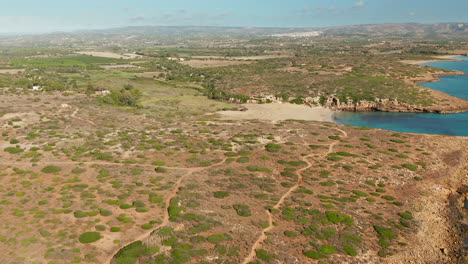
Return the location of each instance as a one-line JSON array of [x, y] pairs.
[[299, 182], [165, 221], [73, 115]]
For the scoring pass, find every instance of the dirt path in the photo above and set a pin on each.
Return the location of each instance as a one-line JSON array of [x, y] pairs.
[[165, 221], [299, 182], [73, 115]]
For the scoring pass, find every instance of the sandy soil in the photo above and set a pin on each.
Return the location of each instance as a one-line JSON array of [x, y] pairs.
[[126, 56], [11, 71], [276, 112], [212, 63], [437, 58]]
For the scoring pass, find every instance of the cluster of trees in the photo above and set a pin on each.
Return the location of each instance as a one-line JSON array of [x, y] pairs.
[[127, 96]]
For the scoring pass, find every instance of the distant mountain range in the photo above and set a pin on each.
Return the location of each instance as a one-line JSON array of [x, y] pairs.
[[378, 29], [159, 35]]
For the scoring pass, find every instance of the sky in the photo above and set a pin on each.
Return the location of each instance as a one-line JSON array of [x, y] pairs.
[[40, 16]]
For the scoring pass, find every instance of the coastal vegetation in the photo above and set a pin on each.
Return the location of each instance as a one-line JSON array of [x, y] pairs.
[[125, 161]]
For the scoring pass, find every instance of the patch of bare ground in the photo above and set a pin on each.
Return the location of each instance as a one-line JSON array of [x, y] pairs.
[[436, 58], [11, 71]]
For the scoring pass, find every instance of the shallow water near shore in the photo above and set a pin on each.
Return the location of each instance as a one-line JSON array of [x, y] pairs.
[[442, 124], [456, 85]]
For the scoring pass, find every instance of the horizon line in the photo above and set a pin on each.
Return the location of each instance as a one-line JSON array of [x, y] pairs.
[[214, 26]]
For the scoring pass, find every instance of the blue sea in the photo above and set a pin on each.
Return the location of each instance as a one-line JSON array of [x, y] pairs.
[[443, 124]]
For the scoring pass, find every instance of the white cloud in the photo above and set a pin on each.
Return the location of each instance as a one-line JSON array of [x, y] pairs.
[[359, 4]]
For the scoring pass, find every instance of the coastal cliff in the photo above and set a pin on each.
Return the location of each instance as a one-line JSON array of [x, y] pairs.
[[387, 105], [446, 104]]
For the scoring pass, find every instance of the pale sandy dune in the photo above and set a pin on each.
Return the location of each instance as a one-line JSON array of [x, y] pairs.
[[277, 112]]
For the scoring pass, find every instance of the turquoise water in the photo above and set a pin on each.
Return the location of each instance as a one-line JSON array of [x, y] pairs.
[[443, 124], [450, 124], [456, 85], [451, 65]]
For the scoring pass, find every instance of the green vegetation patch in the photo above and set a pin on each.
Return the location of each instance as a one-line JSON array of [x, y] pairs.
[[273, 147], [131, 253], [242, 210], [89, 237], [337, 218], [221, 194], [51, 169], [13, 150]]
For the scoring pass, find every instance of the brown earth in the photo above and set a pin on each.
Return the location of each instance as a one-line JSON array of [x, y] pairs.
[[316, 168]]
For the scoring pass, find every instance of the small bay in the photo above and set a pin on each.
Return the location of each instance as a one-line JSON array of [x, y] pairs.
[[425, 123]]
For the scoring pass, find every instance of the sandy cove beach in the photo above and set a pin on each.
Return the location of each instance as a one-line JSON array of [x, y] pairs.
[[436, 58], [277, 112]]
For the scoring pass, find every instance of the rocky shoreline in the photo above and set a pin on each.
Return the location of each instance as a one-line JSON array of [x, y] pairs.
[[447, 103]]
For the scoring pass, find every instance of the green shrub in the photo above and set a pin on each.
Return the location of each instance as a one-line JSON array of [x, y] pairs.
[[327, 249], [124, 219], [314, 254], [360, 193], [13, 150], [100, 227], [159, 163], [328, 183], [264, 255], [154, 198], [160, 170], [243, 159], [290, 233], [80, 214], [51, 169], [131, 253], [350, 250], [404, 223], [221, 194], [123, 97], [388, 197], [406, 215], [218, 238], [273, 147], [334, 158], [105, 212], [115, 229], [89, 237], [242, 210], [78, 170], [337, 217], [384, 235], [410, 167]]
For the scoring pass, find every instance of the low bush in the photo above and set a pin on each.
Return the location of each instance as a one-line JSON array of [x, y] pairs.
[[89, 237]]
